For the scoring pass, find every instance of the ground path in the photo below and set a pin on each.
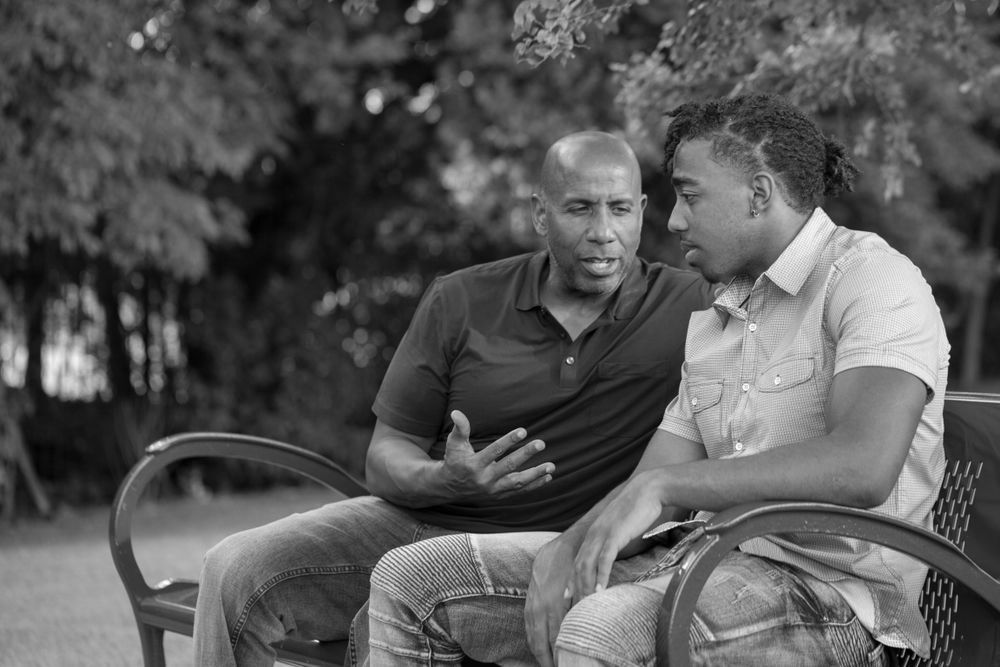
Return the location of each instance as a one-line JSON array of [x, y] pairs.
[[61, 602]]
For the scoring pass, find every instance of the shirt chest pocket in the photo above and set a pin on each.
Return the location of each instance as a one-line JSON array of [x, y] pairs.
[[789, 403], [705, 402], [786, 374]]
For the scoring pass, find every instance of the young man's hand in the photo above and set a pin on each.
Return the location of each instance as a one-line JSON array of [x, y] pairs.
[[636, 507], [547, 601]]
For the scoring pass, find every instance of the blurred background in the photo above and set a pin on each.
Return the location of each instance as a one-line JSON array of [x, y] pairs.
[[220, 214]]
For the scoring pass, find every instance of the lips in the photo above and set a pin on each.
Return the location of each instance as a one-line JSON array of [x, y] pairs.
[[600, 266]]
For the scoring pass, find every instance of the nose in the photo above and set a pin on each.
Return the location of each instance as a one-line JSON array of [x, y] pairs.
[[601, 230], [676, 222]]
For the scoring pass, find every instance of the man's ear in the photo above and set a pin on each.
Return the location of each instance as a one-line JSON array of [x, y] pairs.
[[538, 215], [763, 189]]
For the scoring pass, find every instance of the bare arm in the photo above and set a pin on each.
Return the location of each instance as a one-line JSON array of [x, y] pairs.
[[399, 468], [872, 415]]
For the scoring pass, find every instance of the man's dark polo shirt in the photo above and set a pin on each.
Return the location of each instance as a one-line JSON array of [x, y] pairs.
[[482, 342]]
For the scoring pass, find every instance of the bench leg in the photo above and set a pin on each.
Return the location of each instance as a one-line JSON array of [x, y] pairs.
[[152, 646]]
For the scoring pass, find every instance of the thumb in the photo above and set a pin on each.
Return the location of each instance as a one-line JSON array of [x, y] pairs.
[[461, 430]]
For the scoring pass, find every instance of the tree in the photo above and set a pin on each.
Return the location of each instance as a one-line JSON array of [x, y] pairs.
[[109, 151], [912, 86]]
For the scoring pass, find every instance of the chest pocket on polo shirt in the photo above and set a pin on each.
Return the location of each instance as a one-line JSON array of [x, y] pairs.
[[705, 402], [629, 397]]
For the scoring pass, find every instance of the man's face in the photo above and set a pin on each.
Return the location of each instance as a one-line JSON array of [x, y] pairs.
[[591, 218], [710, 216]]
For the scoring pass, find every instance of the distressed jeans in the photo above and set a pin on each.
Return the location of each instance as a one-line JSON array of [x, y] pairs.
[[305, 575], [433, 602]]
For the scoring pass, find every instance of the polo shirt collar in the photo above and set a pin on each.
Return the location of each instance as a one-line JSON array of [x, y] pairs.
[[625, 302], [789, 272]]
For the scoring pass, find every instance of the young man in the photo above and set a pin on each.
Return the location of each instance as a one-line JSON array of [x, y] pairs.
[[575, 350], [819, 374]]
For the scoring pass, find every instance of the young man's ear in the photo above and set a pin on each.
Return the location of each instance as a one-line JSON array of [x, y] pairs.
[[762, 188], [538, 214]]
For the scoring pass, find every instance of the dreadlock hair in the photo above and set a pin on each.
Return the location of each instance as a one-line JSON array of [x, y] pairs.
[[759, 131]]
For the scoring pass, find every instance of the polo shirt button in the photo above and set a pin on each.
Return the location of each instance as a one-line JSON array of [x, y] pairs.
[[570, 361], [745, 387], [739, 446], [752, 327], [694, 401]]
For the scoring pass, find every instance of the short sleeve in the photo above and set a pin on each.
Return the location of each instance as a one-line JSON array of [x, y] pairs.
[[678, 418], [413, 396], [881, 312]]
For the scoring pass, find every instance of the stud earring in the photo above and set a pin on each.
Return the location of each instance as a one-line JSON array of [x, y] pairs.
[[754, 212]]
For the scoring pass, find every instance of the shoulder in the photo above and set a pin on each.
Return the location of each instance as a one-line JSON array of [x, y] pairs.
[[665, 280], [485, 285], [501, 271], [865, 263]]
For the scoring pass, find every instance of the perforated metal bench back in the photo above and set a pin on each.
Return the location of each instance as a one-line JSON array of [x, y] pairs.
[[939, 599]]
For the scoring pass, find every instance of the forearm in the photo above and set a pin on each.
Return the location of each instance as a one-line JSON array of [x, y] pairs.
[[404, 474], [822, 470], [573, 537]]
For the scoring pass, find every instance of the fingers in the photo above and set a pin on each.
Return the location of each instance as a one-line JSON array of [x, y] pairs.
[[539, 643], [500, 446], [605, 561], [586, 564], [542, 626], [461, 429], [519, 456], [526, 480]]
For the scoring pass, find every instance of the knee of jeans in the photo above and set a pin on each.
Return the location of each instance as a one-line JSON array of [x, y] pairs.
[[426, 573], [232, 562], [617, 625]]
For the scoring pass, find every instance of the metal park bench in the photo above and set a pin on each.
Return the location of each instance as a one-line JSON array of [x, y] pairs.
[[961, 598]]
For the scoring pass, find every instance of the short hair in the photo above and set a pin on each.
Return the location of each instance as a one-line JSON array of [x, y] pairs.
[[761, 131]]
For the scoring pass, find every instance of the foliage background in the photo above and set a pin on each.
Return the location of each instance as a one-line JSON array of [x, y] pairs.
[[219, 214]]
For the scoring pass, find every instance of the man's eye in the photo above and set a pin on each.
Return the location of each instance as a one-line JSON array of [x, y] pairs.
[[621, 210], [688, 197]]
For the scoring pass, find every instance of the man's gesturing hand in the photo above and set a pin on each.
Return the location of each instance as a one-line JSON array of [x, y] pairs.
[[469, 473]]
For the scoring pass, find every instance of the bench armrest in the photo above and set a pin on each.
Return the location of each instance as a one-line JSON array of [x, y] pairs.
[[169, 450], [729, 528]]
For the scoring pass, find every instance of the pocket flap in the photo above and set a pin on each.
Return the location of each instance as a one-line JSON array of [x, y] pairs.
[[786, 373], [704, 395]]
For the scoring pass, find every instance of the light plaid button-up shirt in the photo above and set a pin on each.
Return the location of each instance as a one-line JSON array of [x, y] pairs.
[[757, 374]]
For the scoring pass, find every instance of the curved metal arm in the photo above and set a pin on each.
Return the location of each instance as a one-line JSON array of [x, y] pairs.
[[726, 530], [169, 450]]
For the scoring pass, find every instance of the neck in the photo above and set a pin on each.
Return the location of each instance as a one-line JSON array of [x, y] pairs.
[[780, 232], [575, 311]]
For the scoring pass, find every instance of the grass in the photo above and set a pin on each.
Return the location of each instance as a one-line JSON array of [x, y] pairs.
[[62, 603]]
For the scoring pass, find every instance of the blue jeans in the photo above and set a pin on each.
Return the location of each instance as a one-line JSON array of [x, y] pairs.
[[433, 602], [306, 575]]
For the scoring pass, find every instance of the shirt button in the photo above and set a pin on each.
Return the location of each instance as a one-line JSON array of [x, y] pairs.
[[694, 401], [752, 327], [777, 380], [745, 386], [739, 446], [570, 361]]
